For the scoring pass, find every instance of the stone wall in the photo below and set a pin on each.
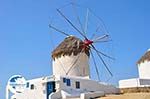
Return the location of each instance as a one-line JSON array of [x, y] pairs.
[[135, 90]]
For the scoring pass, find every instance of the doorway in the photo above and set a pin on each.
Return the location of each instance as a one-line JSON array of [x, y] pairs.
[[50, 88]]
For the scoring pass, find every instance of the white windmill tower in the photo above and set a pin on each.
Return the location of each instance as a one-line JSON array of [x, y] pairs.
[[144, 66], [69, 58], [143, 81]]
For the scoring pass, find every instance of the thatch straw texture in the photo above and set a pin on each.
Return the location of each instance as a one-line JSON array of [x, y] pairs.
[[145, 57], [70, 45]]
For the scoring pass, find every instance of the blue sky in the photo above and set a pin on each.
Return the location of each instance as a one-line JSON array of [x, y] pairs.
[[25, 38]]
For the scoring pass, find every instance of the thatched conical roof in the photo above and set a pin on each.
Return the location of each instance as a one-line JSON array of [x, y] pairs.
[[70, 45], [145, 57]]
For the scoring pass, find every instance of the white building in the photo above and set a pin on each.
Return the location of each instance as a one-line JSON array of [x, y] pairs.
[[70, 77], [63, 87], [144, 74]]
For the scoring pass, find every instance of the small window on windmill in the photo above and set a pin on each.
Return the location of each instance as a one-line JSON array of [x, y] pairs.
[[68, 82], [27, 85], [77, 84], [64, 80], [32, 86]]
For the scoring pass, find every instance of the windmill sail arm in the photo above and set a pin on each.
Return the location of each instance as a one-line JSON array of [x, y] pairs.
[[101, 38], [100, 57], [60, 31], [95, 65], [71, 23], [103, 54]]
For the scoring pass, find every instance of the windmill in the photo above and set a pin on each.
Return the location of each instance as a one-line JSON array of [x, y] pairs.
[[70, 65], [87, 43]]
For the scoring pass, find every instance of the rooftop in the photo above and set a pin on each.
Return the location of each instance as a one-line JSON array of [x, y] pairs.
[[145, 57], [70, 45]]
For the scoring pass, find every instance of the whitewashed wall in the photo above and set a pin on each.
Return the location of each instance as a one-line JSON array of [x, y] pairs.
[[144, 70], [91, 85], [87, 85], [62, 65], [128, 83], [136, 82], [39, 91]]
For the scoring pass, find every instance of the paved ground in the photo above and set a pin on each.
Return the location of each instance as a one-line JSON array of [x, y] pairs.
[[128, 96]]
